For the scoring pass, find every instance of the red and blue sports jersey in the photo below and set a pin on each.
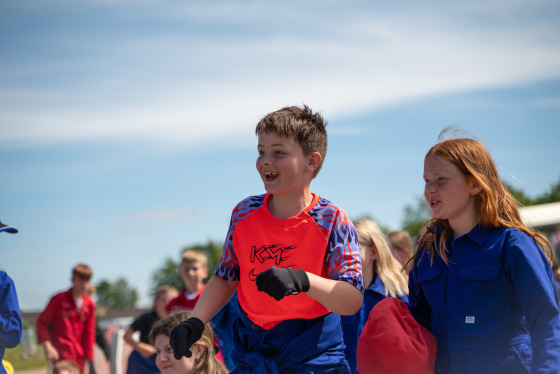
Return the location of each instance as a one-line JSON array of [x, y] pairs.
[[321, 240]]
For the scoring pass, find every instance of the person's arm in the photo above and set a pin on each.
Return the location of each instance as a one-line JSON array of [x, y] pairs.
[[342, 291], [215, 295], [88, 339], [531, 275], [50, 351], [339, 297], [146, 350], [44, 323], [85, 367], [11, 327]]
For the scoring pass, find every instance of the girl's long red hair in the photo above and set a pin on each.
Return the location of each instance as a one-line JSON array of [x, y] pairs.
[[495, 206]]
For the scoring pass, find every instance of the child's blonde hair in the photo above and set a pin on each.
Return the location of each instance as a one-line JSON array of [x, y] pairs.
[[66, 366], [194, 255], [401, 246], [386, 266], [401, 240], [495, 206]]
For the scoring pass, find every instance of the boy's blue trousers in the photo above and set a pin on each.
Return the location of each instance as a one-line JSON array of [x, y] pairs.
[[292, 346]]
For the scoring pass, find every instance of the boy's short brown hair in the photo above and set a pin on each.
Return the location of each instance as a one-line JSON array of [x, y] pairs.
[[308, 129], [194, 255], [82, 271]]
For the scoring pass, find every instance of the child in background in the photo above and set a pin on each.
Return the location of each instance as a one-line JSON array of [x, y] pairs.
[[142, 359], [481, 280], [292, 256], [66, 328], [401, 245], [382, 278], [203, 359], [66, 367], [193, 270]]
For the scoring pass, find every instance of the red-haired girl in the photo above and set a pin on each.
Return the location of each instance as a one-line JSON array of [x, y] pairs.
[[481, 280]]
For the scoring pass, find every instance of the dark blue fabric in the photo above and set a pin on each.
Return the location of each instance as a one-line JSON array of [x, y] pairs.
[[223, 323], [492, 308], [353, 325], [11, 328], [293, 346], [138, 364]]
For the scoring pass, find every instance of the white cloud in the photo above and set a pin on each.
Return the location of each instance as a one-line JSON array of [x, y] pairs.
[[188, 85]]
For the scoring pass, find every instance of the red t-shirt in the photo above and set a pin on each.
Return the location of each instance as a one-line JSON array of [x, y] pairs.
[[181, 301]]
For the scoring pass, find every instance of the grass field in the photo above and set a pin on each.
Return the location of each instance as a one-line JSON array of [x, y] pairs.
[[13, 355]]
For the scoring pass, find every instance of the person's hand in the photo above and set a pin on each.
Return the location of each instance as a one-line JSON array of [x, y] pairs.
[[146, 350], [50, 351], [184, 335], [85, 367], [280, 282]]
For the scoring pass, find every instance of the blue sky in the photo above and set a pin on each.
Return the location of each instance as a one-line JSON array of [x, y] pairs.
[[127, 127]]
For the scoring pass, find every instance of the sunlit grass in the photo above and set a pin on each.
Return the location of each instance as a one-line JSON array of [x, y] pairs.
[[13, 355]]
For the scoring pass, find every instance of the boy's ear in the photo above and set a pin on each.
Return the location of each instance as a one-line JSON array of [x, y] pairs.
[[314, 160]]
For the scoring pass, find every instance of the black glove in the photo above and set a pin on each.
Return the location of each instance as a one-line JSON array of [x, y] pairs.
[[280, 282], [184, 335]]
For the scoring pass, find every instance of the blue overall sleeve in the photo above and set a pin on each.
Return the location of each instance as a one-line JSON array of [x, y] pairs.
[[531, 276], [10, 318]]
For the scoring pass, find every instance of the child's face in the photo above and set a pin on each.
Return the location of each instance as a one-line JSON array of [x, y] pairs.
[[449, 193], [368, 254], [166, 362], [193, 274], [162, 300], [283, 167], [79, 284]]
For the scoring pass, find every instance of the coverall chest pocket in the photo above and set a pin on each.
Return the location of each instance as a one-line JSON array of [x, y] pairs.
[[432, 283], [478, 286]]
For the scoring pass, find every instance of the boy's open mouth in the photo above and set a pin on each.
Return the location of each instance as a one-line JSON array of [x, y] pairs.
[[270, 176]]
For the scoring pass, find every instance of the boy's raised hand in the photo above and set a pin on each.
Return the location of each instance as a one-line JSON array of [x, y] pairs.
[[184, 335], [280, 282]]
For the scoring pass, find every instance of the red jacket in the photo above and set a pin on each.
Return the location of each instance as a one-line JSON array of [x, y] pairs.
[[71, 332]]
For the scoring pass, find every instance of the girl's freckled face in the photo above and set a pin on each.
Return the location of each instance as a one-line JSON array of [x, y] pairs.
[[447, 190]]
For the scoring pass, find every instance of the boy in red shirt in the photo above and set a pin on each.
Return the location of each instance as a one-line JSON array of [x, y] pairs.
[[193, 270], [292, 256], [66, 328]]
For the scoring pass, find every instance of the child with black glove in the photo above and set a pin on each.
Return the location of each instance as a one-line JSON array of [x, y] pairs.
[[292, 256]]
